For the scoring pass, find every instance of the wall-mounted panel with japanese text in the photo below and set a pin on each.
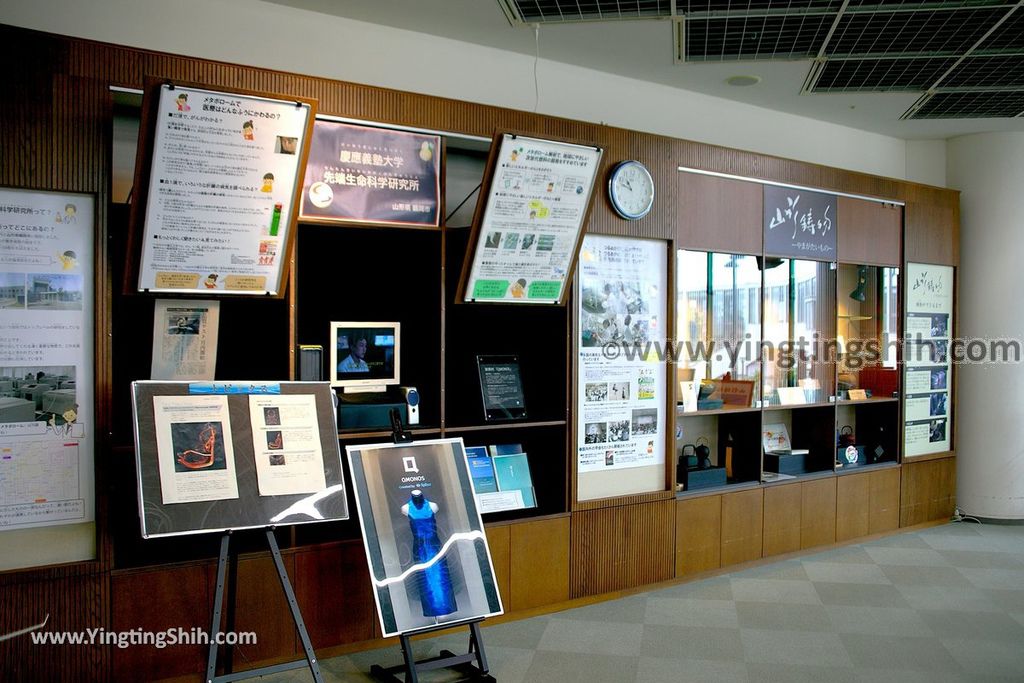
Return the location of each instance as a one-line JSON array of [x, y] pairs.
[[372, 175], [529, 221], [928, 374], [222, 187], [799, 223]]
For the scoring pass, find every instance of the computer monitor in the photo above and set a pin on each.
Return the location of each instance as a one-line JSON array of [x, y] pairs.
[[364, 356]]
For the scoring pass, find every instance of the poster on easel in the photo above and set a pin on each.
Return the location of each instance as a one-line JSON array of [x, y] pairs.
[[425, 543], [219, 175], [928, 373], [529, 221], [225, 456], [46, 363]]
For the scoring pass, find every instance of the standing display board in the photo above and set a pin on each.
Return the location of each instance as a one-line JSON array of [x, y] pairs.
[[529, 220], [219, 176], [229, 456], [425, 542], [361, 174], [46, 366], [928, 328], [621, 391]]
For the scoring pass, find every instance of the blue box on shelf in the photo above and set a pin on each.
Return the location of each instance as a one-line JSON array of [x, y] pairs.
[[786, 462], [705, 478]]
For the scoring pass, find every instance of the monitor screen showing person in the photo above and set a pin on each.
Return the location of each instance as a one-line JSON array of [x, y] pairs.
[[364, 353]]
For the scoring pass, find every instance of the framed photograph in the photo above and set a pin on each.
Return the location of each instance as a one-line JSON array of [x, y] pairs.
[[528, 226], [501, 388], [425, 542], [204, 225]]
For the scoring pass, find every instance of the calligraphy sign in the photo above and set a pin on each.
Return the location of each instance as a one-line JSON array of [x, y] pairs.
[[799, 223]]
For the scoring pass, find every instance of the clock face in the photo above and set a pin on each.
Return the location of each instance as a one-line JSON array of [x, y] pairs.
[[631, 190]]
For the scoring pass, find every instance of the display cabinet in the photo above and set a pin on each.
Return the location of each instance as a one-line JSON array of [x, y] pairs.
[[799, 322], [868, 354]]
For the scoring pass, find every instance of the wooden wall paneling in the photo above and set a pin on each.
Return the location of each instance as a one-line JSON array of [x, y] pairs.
[[884, 500], [742, 524], [71, 603], [622, 547], [853, 508], [698, 535], [539, 562], [332, 587], [927, 491], [943, 499], [932, 227], [869, 232], [782, 505], [156, 600], [913, 496], [719, 214], [262, 608], [499, 543], [818, 512]]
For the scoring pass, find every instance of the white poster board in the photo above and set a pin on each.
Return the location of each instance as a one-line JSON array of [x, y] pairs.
[[621, 376], [528, 233], [222, 190], [927, 370], [46, 372]]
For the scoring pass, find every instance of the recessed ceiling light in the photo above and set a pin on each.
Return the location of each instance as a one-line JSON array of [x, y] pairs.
[[743, 81]]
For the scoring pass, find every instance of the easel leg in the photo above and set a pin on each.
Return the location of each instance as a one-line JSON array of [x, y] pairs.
[[410, 663], [307, 646], [218, 605], [476, 646]]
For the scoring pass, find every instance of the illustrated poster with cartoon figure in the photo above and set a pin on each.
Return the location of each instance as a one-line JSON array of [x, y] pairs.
[[46, 359], [533, 219], [221, 197]]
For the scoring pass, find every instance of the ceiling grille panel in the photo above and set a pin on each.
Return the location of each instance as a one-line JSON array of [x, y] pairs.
[[868, 75], [556, 11], [987, 72], [965, 56], [785, 37], [1009, 35], [898, 33], [792, 7], [961, 105]]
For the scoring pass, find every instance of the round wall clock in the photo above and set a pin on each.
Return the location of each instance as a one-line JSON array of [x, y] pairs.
[[631, 190]]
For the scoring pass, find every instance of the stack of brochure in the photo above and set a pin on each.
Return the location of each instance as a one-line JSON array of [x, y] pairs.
[[501, 477]]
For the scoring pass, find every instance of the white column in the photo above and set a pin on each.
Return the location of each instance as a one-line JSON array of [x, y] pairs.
[[988, 168]]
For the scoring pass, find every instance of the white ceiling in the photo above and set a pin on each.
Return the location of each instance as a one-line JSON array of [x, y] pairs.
[[643, 50]]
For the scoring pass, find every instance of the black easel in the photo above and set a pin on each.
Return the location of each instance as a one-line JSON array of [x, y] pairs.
[[447, 659], [463, 664], [223, 561]]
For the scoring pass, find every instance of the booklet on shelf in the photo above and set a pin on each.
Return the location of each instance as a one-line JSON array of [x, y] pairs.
[[481, 469]]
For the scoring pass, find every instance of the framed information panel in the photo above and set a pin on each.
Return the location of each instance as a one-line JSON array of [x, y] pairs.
[[928, 373], [47, 295], [425, 542], [363, 174], [214, 456], [529, 220], [218, 177], [621, 392]]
